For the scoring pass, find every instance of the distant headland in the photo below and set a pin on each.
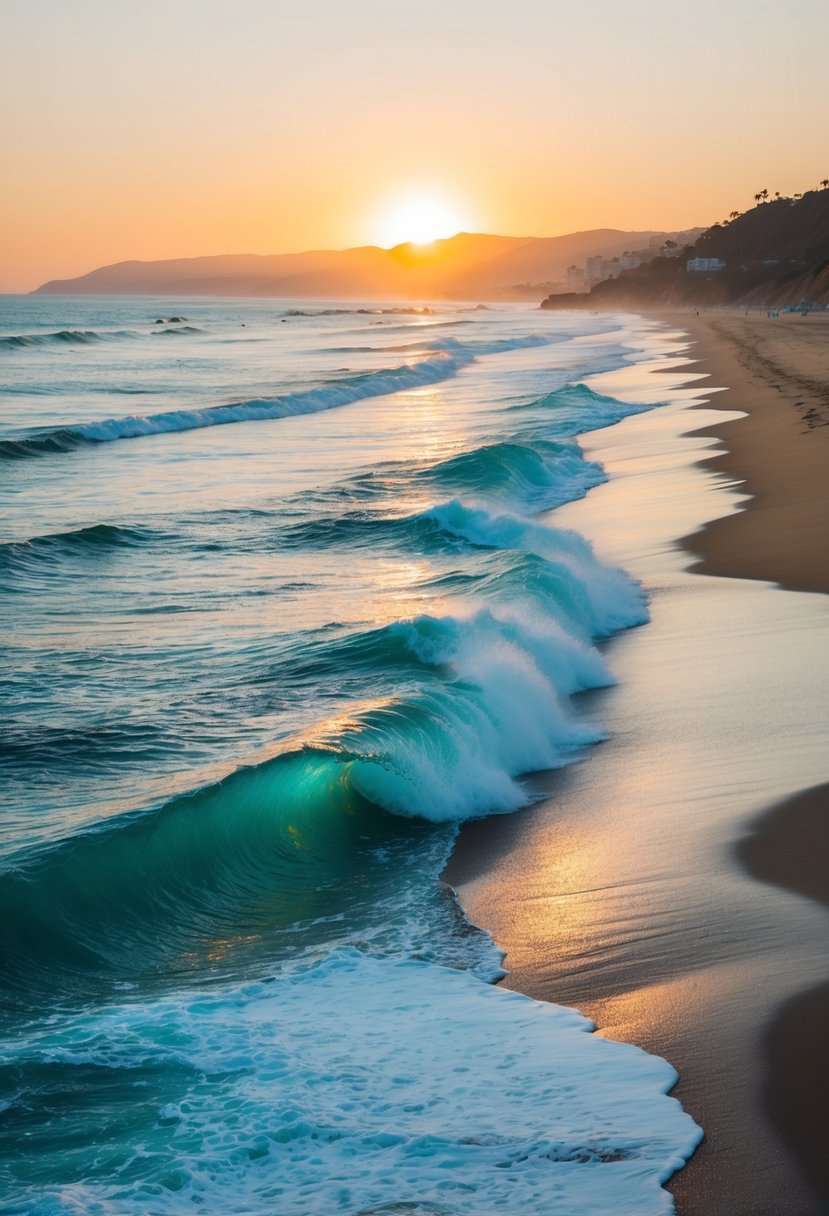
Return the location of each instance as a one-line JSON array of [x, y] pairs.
[[462, 267], [775, 255]]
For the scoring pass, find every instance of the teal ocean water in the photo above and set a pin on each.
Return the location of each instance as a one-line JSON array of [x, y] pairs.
[[285, 602]]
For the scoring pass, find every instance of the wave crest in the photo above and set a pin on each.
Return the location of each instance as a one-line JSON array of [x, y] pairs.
[[94, 540], [481, 699], [330, 395], [443, 361], [62, 337], [539, 475]]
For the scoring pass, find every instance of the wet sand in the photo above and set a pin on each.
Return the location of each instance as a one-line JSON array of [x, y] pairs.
[[627, 892], [777, 370], [790, 848]]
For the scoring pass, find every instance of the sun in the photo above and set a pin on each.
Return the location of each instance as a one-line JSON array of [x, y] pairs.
[[419, 219]]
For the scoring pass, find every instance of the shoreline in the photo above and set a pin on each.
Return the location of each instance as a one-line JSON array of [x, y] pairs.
[[686, 1009], [780, 464], [773, 370]]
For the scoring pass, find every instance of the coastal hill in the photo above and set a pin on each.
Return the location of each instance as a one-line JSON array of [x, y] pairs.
[[465, 266], [774, 255]]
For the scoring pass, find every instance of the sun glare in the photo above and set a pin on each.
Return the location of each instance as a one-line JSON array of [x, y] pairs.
[[419, 220]]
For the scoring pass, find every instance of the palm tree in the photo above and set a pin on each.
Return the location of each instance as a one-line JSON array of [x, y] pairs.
[[734, 215], [825, 183]]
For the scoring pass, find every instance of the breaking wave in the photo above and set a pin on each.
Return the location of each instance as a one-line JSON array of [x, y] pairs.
[[444, 362]]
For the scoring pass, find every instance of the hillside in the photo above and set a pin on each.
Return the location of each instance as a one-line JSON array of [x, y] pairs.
[[468, 265], [544, 259], [775, 255]]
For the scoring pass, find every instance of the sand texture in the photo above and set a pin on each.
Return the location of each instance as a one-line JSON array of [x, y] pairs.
[[777, 370]]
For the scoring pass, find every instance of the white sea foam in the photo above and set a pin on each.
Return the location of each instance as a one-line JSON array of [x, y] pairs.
[[455, 750], [615, 601], [364, 1085], [443, 361], [328, 396]]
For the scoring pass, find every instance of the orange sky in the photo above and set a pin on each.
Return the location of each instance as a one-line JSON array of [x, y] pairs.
[[265, 126]]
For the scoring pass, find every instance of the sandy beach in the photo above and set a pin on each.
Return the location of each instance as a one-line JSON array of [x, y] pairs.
[[777, 370], [780, 454], [660, 888]]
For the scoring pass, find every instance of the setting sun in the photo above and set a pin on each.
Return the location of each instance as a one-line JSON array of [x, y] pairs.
[[419, 219]]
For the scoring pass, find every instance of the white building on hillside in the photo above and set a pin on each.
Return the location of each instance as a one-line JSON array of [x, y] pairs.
[[697, 264]]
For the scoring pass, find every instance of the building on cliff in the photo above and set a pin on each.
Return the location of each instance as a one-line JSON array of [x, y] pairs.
[[695, 265]]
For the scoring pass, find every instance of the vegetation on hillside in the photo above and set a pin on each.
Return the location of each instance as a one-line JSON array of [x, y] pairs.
[[775, 254]]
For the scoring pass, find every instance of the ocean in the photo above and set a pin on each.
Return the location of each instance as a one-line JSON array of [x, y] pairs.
[[285, 602]]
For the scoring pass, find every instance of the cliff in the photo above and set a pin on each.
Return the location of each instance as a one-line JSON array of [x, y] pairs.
[[775, 255]]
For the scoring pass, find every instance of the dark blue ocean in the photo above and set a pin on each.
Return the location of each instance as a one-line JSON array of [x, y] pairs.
[[284, 602]]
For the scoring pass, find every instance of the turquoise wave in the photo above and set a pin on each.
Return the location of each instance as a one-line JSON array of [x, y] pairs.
[[538, 475], [470, 702], [93, 541], [572, 409], [441, 361], [63, 337]]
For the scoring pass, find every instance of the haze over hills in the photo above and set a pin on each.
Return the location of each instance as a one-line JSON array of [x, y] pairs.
[[774, 255], [468, 265]]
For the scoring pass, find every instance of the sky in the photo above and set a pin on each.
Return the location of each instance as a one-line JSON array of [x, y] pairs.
[[188, 127]]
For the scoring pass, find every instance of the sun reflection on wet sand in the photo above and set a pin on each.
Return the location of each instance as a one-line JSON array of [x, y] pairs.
[[631, 908]]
